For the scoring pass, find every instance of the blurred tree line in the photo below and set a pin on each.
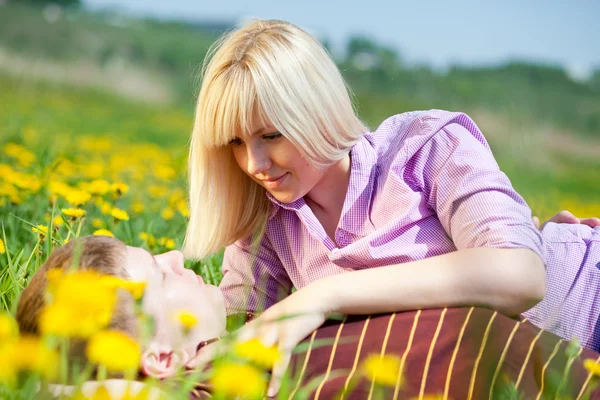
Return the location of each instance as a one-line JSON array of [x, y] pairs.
[[383, 82]]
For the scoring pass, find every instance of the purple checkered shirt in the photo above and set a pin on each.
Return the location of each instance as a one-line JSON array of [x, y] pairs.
[[423, 184]]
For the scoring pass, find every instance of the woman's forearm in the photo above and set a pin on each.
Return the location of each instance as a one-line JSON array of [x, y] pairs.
[[507, 280]]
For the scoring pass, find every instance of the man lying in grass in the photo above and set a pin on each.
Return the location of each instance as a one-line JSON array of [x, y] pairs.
[[175, 296]]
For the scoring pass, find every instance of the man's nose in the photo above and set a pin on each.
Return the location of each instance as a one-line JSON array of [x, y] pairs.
[[258, 160]]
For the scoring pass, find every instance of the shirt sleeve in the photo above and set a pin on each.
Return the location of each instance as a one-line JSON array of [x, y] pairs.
[[474, 200], [253, 279]]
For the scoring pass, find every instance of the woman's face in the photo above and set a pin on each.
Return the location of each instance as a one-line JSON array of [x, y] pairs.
[[273, 162], [170, 290]]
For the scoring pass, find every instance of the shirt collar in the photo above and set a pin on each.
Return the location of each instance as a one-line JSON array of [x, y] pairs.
[[362, 162]]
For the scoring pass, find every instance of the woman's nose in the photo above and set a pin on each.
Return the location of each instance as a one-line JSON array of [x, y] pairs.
[[258, 161]]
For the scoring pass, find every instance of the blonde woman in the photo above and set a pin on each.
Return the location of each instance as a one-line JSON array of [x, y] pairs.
[[303, 195]]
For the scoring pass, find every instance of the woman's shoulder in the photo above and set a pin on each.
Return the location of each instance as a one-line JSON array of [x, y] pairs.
[[407, 132]]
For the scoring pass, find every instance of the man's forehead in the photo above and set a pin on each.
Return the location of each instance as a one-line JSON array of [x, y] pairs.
[[139, 254]]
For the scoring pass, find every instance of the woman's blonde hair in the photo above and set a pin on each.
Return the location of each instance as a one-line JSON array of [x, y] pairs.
[[267, 71]]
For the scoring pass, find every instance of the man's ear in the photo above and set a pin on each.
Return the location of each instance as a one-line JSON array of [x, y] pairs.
[[172, 261]]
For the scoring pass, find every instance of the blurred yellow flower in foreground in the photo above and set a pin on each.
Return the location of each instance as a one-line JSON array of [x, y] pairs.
[[135, 288], [147, 393], [231, 380], [383, 370], [104, 232], [72, 311], [2, 247], [97, 223], [27, 354], [119, 214], [41, 229], [8, 367], [8, 327], [255, 351], [186, 319], [592, 366], [73, 212], [117, 351], [100, 394]]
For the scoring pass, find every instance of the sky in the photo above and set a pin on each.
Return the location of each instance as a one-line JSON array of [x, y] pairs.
[[437, 33]]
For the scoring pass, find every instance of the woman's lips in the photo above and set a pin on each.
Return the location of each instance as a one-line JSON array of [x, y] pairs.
[[273, 184]]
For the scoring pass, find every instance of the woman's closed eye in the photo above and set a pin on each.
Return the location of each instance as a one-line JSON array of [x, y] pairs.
[[269, 137], [272, 136]]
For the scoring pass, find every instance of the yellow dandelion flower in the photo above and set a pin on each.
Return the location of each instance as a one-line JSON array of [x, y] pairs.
[[382, 369], [119, 214], [103, 232], [156, 191], [66, 241], [148, 238], [99, 187], [137, 207], [186, 319], [168, 243], [164, 172], [58, 221], [135, 288], [105, 208], [257, 352], [2, 247], [41, 229], [24, 156], [78, 197], [8, 327], [167, 213], [58, 187], [592, 366], [101, 393], [8, 366], [73, 212], [232, 380], [117, 351], [97, 223], [35, 356], [72, 312], [183, 209], [119, 188]]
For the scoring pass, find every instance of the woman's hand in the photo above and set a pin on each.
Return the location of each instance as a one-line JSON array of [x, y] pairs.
[[566, 217], [284, 325]]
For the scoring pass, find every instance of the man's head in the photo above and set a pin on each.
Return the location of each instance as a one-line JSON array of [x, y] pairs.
[[170, 289]]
